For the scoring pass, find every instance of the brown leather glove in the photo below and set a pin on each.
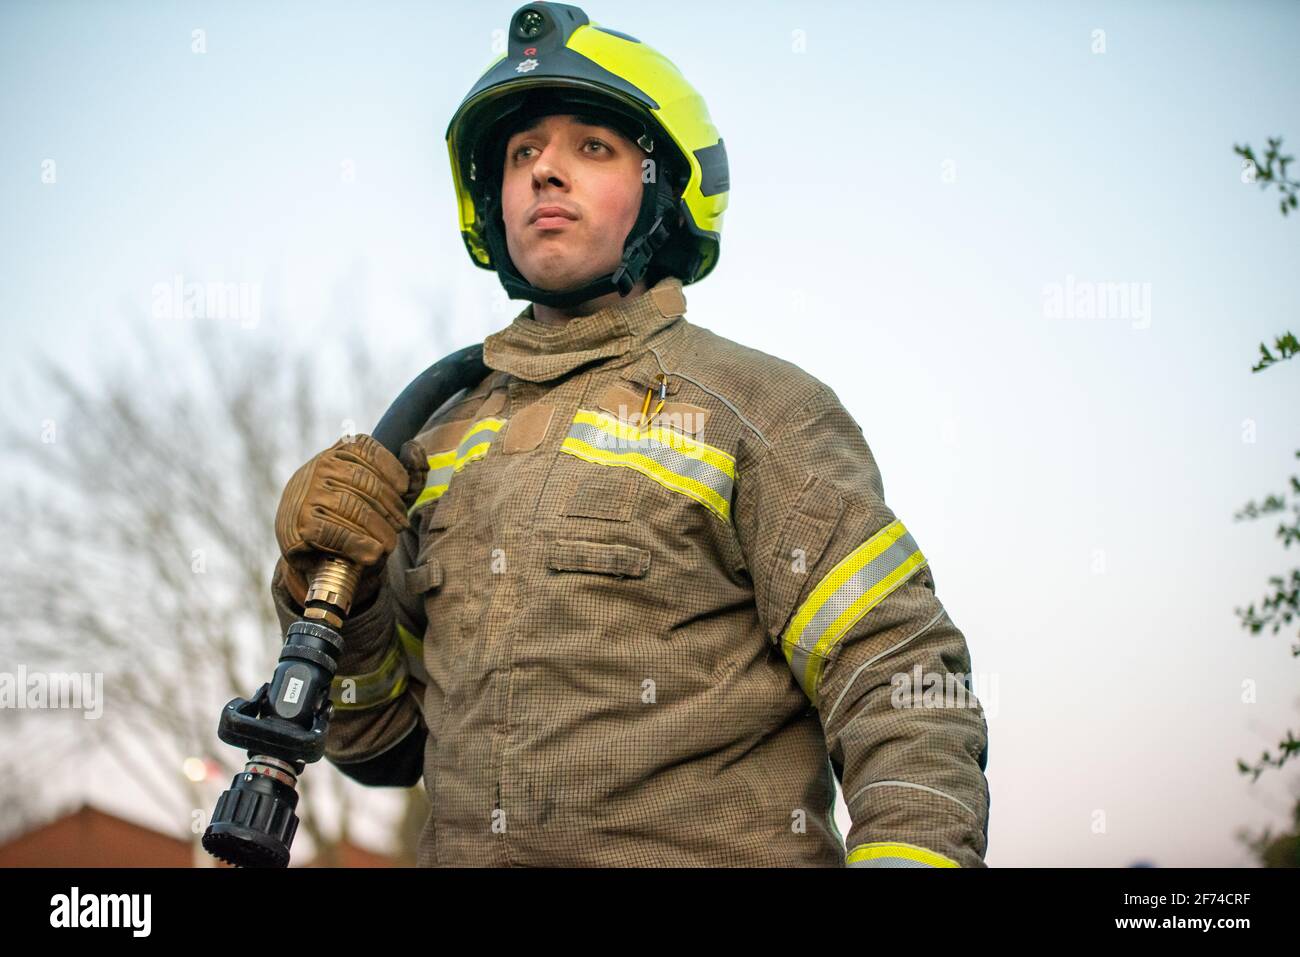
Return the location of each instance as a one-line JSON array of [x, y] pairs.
[[349, 500]]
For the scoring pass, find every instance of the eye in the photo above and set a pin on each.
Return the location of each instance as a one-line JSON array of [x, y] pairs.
[[596, 142], [519, 149]]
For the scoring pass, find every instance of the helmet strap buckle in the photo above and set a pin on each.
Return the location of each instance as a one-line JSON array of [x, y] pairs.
[[637, 256]]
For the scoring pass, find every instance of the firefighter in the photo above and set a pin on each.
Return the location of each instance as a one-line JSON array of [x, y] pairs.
[[636, 598]]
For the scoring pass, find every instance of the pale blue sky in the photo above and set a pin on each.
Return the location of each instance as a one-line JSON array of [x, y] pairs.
[[1015, 445]]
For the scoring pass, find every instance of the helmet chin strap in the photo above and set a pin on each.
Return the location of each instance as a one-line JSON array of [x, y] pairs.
[[653, 227]]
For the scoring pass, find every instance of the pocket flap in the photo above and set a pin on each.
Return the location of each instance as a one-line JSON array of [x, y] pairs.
[[625, 405], [608, 496], [442, 512], [807, 530], [622, 561], [423, 577], [527, 429], [443, 437]]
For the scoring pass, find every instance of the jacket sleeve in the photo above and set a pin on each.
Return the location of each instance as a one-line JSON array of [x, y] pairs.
[[377, 732], [849, 600]]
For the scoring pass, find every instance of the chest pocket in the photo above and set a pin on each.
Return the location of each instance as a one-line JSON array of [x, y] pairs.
[[608, 494], [440, 515], [600, 558]]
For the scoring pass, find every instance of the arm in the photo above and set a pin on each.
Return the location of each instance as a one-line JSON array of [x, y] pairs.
[[377, 733], [849, 599]]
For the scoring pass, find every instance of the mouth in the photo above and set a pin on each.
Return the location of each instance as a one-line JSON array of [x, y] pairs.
[[552, 217]]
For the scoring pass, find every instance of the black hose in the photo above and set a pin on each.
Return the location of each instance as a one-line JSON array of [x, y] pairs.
[[427, 393]]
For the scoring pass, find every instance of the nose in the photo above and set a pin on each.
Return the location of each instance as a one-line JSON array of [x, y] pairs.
[[547, 169]]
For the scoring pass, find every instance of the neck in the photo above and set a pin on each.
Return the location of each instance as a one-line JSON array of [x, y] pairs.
[[553, 316]]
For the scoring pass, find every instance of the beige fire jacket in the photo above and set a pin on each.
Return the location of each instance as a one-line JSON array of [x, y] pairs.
[[659, 639]]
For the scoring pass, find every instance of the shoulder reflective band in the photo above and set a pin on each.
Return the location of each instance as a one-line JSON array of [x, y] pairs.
[[671, 458], [895, 854], [370, 690], [850, 589], [444, 465]]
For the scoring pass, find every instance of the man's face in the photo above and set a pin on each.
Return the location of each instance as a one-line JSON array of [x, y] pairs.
[[590, 172]]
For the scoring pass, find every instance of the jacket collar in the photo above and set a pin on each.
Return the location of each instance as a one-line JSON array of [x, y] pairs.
[[531, 350]]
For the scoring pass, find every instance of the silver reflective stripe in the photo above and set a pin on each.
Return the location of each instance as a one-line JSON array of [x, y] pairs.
[[444, 465], [480, 433], [669, 458], [859, 583], [847, 592], [672, 459], [895, 854], [440, 476]]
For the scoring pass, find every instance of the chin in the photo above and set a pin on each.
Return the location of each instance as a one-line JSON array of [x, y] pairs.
[[558, 280]]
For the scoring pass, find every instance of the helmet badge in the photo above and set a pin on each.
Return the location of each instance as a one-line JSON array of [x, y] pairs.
[[525, 66]]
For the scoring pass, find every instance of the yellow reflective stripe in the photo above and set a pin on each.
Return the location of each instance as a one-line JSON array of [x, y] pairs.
[[671, 458], [858, 583], [653, 470], [677, 441], [490, 424], [374, 688], [475, 452], [413, 648], [896, 854], [410, 644], [442, 458], [444, 465], [430, 492]]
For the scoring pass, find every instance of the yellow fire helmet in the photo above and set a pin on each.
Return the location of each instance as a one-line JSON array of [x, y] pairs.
[[557, 61]]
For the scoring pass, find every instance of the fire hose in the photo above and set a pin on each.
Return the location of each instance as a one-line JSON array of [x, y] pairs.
[[283, 726]]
